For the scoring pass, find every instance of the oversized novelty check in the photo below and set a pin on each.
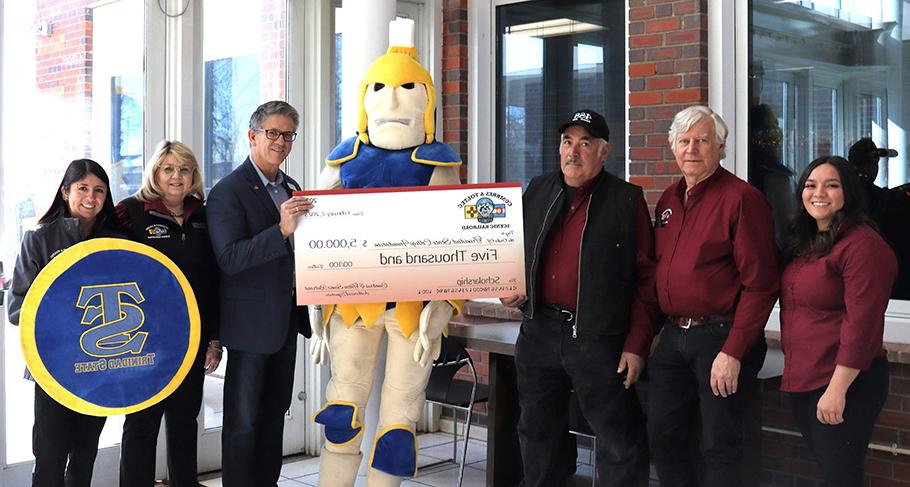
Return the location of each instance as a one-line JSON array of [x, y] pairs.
[[410, 244]]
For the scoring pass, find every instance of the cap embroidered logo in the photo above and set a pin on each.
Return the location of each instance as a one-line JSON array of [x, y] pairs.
[[583, 116]]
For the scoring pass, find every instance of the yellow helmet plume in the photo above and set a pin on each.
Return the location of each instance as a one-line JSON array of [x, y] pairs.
[[398, 66]]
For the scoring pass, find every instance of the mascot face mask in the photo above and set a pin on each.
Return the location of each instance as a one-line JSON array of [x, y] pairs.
[[395, 114], [397, 102]]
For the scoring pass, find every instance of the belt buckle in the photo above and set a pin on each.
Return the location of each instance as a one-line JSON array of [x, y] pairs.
[[569, 314], [686, 324]]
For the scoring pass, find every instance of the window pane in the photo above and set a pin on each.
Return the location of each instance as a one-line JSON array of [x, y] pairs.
[[244, 52], [73, 87], [556, 57], [823, 76], [824, 121]]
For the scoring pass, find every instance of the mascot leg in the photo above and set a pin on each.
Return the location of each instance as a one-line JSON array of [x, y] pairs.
[[403, 393], [353, 353], [338, 469]]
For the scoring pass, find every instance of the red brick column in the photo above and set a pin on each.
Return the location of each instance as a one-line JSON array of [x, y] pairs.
[[453, 88], [668, 70]]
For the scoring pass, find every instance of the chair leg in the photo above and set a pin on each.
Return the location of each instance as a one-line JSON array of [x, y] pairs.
[[594, 462], [464, 451], [454, 435]]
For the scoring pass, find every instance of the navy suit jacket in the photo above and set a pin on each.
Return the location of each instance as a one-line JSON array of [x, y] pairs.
[[257, 264]]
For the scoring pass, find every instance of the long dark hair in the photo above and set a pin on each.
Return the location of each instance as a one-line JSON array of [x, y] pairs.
[[804, 238], [77, 170]]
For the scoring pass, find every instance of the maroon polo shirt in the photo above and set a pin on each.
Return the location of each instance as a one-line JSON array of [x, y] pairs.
[[557, 281], [832, 309], [716, 256]]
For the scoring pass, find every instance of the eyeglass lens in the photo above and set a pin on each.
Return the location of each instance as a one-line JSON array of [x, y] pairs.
[[184, 170], [274, 134]]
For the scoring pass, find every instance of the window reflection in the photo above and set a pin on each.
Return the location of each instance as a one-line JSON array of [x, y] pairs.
[[244, 53], [232, 94], [126, 134], [825, 75]]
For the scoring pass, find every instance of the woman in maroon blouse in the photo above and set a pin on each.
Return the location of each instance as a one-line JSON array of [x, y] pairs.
[[834, 292]]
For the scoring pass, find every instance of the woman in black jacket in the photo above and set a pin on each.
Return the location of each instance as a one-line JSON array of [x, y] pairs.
[[167, 214], [64, 442]]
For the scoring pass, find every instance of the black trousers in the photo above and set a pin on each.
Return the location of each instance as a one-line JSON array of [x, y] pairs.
[[140, 435], [550, 363], [679, 388], [257, 393], [65, 444], [841, 449]]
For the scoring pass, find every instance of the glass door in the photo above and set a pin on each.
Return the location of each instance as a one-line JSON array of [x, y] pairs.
[[244, 63], [73, 85]]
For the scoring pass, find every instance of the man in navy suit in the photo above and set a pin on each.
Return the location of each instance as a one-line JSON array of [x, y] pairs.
[[252, 217]]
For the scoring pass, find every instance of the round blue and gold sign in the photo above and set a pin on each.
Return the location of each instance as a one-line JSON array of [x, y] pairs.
[[109, 327]]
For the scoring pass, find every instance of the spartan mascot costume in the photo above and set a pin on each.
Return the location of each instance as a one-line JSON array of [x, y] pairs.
[[394, 147]]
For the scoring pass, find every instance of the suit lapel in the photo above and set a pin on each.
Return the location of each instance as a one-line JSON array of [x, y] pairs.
[[262, 194]]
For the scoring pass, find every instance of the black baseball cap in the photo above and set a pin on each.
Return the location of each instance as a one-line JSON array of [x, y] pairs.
[[592, 121]]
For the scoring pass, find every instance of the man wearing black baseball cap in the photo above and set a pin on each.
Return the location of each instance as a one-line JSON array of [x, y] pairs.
[[590, 313]]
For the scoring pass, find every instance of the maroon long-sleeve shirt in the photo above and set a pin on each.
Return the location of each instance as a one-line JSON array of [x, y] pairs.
[[716, 256], [832, 309], [558, 277]]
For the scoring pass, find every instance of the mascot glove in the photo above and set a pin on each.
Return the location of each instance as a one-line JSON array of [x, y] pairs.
[[319, 342], [433, 320]]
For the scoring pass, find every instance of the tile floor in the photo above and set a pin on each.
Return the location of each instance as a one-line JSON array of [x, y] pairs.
[[304, 471]]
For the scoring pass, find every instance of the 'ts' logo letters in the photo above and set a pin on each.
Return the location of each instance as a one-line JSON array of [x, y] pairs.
[[114, 322]]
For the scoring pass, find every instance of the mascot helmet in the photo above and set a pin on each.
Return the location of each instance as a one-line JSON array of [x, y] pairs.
[[398, 66]]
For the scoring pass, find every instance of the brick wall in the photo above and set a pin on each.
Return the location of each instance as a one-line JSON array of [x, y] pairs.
[[272, 67], [786, 461], [668, 67], [64, 63], [453, 88]]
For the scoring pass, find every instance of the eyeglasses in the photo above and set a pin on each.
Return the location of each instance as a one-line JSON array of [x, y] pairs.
[[182, 170], [273, 134]]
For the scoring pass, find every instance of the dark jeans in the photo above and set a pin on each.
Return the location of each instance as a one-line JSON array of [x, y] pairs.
[[64, 442], [550, 363], [257, 393], [679, 388], [841, 449], [140, 435]]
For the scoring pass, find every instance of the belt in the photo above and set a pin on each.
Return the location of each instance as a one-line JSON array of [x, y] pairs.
[[558, 313], [686, 322]]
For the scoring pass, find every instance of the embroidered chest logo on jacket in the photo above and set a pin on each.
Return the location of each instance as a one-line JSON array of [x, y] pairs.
[[664, 218], [157, 231]]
